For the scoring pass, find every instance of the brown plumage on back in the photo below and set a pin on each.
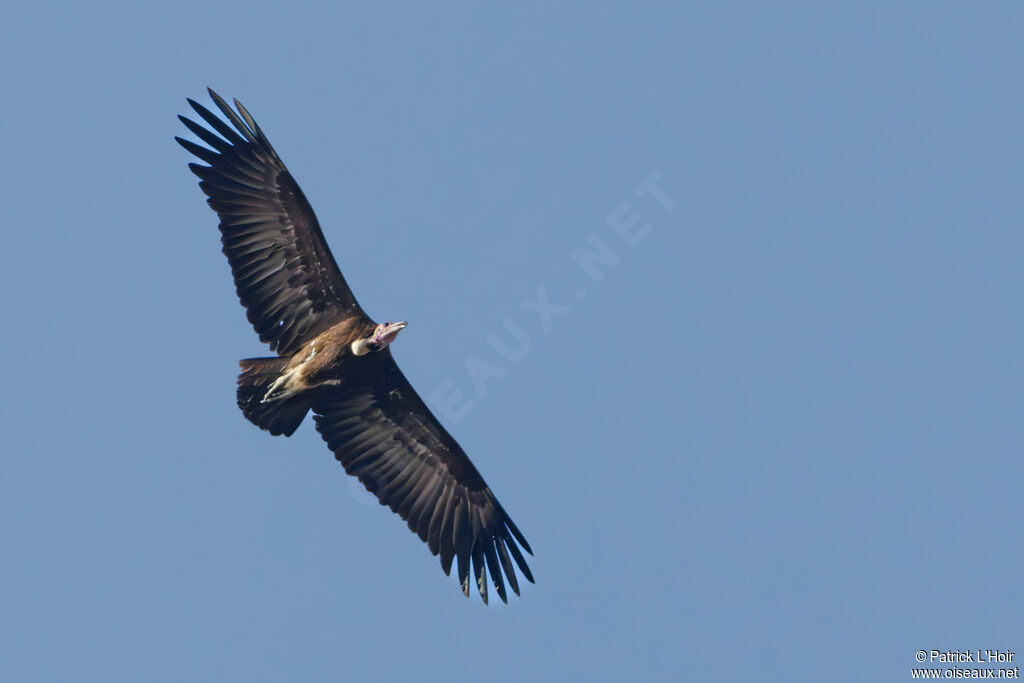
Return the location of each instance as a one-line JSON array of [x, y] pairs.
[[335, 360]]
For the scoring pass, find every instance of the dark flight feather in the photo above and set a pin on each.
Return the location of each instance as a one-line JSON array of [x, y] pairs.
[[383, 434], [285, 275]]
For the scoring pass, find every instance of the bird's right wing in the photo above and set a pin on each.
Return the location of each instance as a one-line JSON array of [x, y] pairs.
[[285, 275], [383, 433]]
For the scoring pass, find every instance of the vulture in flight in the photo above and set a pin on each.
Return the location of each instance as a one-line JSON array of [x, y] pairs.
[[334, 360]]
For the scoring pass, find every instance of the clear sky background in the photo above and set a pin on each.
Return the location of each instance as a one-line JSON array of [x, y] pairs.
[[780, 439]]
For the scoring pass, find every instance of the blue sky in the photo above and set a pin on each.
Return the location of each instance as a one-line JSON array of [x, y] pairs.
[[778, 439]]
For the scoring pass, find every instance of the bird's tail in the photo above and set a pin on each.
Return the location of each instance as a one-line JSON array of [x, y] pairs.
[[277, 416]]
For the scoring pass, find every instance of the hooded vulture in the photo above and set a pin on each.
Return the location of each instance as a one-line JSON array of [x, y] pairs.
[[334, 360]]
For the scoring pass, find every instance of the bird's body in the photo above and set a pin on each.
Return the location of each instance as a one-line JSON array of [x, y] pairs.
[[336, 361], [318, 364]]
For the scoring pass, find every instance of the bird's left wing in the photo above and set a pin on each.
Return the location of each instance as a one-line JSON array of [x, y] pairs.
[[383, 433], [285, 275]]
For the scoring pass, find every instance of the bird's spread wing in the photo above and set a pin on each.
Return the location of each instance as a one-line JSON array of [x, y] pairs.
[[383, 433], [284, 273]]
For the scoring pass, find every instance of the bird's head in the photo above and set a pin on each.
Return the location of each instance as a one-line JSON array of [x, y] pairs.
[[378, 338]]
